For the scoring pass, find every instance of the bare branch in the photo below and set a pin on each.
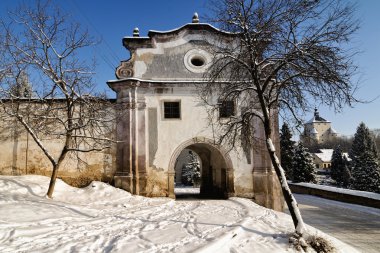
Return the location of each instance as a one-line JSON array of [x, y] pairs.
[[285, 55], [43, 44]]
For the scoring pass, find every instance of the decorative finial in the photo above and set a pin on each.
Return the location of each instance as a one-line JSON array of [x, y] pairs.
[[136, 32], [195, 18], [316, 113]]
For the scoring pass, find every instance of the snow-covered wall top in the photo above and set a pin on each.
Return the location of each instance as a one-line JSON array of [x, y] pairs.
[[370, 195]]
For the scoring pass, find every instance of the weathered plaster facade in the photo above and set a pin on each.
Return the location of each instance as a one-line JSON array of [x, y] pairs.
[[20, 155], [167, 67]]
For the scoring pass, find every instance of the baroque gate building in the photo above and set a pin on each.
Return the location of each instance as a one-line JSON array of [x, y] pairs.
[[162, 116]]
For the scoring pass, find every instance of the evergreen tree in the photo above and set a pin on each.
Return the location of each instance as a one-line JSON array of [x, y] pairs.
[[366, 173], [363, 142], [339, 168], [287, 150], [337, 163], [303, 166], [191, 173], [365, 167], [346, 178]]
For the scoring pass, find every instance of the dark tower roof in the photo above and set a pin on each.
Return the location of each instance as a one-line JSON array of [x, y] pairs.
[[317, 117]]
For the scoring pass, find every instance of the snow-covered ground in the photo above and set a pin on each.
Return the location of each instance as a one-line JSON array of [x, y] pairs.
[[100, 218]]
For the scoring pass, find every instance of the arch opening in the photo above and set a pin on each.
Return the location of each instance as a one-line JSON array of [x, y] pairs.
[[201, 171]]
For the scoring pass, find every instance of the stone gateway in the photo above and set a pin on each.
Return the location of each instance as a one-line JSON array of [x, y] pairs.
[[162, 119]]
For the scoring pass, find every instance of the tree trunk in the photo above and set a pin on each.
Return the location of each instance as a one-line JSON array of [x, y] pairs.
[[288, 196], [56, 166], [52, 181]]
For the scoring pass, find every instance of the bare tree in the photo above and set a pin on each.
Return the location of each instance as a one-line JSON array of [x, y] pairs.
[[287, 55], [58, 101]]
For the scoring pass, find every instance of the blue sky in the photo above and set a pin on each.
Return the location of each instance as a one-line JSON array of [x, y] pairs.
[[112, 20]]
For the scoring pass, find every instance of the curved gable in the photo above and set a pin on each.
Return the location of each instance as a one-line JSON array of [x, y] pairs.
[[180, 54]]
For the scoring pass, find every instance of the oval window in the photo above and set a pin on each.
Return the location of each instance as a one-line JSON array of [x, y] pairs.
[[197, 61]]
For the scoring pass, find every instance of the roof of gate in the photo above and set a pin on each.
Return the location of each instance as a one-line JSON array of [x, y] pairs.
[[132, 42]]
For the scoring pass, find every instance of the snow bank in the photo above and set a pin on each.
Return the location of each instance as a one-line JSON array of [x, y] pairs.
[[100, 218]]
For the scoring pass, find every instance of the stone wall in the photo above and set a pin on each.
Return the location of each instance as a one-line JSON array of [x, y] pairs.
[[338, 196], [20, 155]]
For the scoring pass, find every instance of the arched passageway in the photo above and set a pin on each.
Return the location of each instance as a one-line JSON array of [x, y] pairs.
[[213, 165]]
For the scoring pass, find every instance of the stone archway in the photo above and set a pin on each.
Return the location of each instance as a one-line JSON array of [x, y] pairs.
[[217, 171]]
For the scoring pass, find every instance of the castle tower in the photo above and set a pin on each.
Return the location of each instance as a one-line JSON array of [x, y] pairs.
[[318, 129]]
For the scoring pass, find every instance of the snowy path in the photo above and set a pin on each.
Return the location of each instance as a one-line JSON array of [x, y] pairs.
[[356, 225], [100, 218]]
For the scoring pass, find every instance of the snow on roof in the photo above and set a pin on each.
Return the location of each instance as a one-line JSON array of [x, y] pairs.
[[325, 155], [314, 131], [333, 131], [311, 120], [319, 119]]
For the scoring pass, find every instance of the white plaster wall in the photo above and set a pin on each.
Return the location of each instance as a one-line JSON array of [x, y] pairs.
[[194, 122]]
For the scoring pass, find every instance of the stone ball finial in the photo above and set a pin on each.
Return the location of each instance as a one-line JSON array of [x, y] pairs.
[[136, 32], [195, 18]]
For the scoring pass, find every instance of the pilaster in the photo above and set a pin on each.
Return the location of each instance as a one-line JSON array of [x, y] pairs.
[[131, 147], [171, 184], [140, 141], [124, 176]]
